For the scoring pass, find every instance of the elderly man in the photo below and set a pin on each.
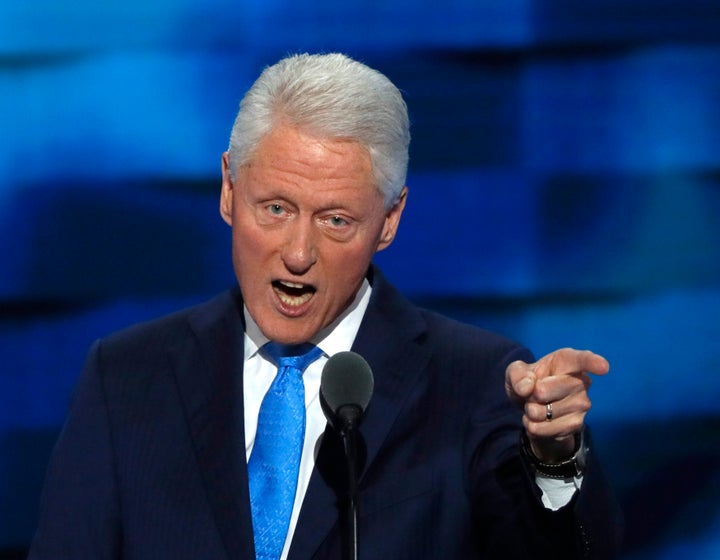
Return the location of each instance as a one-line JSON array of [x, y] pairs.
[[201, 434]]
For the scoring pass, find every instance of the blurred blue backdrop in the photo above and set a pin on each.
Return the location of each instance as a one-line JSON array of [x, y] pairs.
[[564, 190]]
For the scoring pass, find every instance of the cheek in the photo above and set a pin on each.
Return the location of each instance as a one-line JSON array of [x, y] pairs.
[[349, 266], [249, 252], [249, 241]]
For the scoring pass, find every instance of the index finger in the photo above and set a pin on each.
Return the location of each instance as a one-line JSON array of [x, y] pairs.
[[568, 361]]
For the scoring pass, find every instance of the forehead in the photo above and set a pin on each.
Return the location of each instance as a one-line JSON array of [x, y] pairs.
[[288, 156]]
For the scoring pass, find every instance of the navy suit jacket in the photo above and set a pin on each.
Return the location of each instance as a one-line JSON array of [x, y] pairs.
[[151, 461]]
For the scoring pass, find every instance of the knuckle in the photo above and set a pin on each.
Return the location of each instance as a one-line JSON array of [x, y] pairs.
[[533, 429], [585, 404], [542, 392]]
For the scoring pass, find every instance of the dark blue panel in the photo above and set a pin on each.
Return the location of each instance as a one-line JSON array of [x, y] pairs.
[[622, 22], [83, 243]]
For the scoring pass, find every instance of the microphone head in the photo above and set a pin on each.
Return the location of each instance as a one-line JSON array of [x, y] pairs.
[[347, 381]]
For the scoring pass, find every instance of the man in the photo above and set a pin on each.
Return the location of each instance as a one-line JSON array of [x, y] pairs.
[[470, 449]]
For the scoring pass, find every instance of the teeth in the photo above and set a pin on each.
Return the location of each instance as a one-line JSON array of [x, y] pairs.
[[291, 284], [293, 300], [293, 294]]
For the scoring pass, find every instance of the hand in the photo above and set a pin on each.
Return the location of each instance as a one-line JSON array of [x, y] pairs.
[[555, 387]]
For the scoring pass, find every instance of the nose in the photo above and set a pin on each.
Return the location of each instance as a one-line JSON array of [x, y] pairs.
[[299, 252]]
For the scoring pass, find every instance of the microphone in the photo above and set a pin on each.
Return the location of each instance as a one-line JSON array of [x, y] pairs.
[[346, 386]]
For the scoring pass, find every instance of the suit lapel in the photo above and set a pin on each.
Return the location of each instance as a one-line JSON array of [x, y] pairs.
[[388, 340], [208, 371]]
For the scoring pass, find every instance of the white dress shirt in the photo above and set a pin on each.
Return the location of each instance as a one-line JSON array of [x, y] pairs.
[[258, 375]]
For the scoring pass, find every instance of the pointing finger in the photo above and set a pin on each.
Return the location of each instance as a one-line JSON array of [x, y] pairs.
[[568, 361]]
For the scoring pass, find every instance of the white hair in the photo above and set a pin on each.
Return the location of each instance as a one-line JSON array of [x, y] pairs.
[[333, 96]]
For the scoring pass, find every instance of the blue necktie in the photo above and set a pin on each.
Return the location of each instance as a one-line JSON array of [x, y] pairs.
[[275, 459]]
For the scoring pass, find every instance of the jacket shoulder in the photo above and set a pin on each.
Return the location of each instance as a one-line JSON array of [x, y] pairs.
[[454, 337]]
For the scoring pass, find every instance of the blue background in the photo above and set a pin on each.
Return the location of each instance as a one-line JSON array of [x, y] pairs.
[[564, 190]]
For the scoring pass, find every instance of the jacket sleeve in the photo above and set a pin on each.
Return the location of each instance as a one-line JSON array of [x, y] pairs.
[[508, 509]]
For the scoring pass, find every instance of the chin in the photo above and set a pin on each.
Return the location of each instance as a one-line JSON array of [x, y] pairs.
[[290, 334]]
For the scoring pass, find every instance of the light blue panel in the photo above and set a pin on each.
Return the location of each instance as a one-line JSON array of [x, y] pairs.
[[405, 24], [649, 111], [277, 25], [48, 26], [119, 115], [661, 348], [672, 115]]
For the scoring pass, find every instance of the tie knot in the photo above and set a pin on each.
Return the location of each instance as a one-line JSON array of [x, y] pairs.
[[298, 356]]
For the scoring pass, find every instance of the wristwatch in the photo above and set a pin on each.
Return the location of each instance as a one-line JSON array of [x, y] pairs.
[[570, 468]]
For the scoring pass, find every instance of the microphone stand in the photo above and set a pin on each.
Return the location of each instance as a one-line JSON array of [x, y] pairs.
[[350, 416]]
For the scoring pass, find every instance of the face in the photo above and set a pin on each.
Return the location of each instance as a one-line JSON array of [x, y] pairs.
[[306, 220]]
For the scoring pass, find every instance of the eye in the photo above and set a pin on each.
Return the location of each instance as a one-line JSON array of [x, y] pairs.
[[270, 213], [339, 227], [338, 221]]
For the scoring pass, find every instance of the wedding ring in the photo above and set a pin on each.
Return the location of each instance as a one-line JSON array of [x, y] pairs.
[[548, 412]]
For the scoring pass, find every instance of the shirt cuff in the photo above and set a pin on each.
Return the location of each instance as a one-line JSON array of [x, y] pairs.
[[557, 493]]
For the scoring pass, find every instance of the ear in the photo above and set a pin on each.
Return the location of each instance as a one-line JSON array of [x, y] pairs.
[[226, 194], [392, 221]]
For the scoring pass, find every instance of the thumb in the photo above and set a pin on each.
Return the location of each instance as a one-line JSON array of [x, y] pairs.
[[520, 381]]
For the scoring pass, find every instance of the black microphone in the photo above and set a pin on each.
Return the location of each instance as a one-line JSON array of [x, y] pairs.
[[346, 387]]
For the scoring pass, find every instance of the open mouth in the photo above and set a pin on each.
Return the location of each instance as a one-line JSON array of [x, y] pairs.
[[293, 294]]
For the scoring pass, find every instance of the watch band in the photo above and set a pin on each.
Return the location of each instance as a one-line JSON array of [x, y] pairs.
[[570, 468]]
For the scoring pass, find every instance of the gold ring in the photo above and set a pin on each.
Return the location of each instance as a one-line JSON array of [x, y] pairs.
[[548, 412]]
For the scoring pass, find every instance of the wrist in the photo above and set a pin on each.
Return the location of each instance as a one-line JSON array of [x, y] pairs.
[[570, 467], [553, 450]]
